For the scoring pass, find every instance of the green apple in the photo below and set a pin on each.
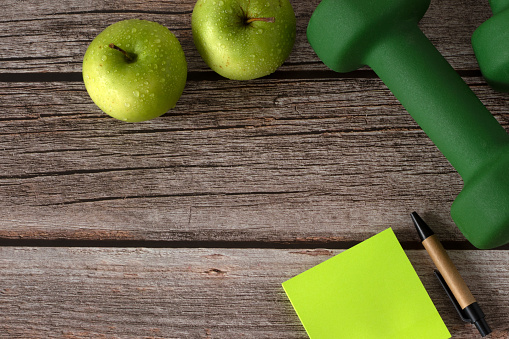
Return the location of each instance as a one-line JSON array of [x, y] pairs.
[[135, 70], [243, 39]]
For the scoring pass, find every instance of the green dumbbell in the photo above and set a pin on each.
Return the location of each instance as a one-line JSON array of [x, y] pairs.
[[490, 42], [383, 34]]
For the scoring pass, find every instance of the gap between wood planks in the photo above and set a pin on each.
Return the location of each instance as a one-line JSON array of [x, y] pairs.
[[407, 245], [212, 76]]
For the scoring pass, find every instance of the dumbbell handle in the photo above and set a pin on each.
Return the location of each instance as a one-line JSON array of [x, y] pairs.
[[438, 99]]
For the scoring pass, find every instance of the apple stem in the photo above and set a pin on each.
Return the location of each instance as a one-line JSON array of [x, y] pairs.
[[250, 20], [127, 56]]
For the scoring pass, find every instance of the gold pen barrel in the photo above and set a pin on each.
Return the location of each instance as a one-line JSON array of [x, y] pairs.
[[451, 275]]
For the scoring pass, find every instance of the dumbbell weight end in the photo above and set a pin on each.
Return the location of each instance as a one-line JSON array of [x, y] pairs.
[[490, 42], [481, 210]]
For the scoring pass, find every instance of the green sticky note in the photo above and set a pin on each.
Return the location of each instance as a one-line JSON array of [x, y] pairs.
[[369, 291]]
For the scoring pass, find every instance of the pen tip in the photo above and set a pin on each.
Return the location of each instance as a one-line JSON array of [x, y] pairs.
[[422, 228], [483, 327]]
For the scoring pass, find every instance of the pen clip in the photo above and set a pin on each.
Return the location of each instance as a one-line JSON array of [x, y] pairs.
[[451, 297]]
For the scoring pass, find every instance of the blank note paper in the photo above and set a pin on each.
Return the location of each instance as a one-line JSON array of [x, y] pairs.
[[369, 291]]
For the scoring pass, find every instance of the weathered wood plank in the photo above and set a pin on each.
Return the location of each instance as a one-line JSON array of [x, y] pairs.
[[285, 160], [37, 36], [197, 293]]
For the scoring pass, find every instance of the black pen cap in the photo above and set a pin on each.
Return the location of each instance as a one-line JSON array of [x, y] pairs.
[[422, 228], [476, 316]]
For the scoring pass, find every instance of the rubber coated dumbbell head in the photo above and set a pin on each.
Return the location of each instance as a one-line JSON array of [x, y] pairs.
[[481, 210], [361, 23], [498, 6], [491, 47]]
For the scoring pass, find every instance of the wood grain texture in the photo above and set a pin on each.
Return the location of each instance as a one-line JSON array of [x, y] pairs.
[[197, 293], [285, 159], [42, 36]]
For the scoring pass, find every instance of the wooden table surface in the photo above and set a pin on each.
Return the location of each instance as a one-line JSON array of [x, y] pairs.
[[185, 226]]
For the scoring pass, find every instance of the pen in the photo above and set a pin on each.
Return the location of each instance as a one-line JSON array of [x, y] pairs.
[[450, 279]]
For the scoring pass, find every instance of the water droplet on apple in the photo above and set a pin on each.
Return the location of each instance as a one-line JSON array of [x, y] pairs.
[[104, 58], [127, 104], [260, 31], [221, 3], [157, 41], [136, 93], [133, 30]]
